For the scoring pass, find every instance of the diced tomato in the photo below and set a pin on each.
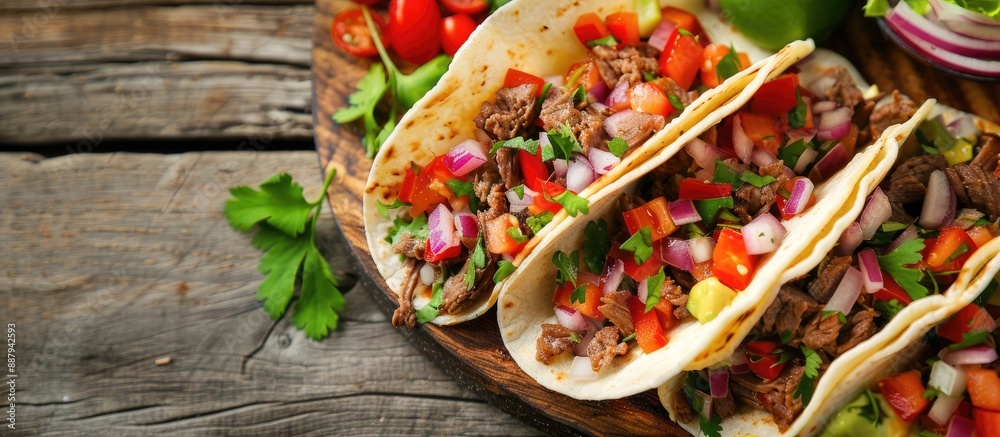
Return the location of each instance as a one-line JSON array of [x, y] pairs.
[[966, 320], [777, 97], [428, 187], [665, 312], [760, 347], [408, 187], [702, 270], [684, 20], [987, 422], [636, 271], [655, 214], [498, 240], [762, 130], [590, 27], [984, 388], [649, 98], [517, 77], [533, 169], [980, 235], [681, 59], [648, 329], [562, 294], [590, 303], [731, 263], [905, 394], [711, 57], [696, 189], [449, 253], [541, 203], [949, 239], [589, 76], [625, 27], [891, 290], [762, 361]]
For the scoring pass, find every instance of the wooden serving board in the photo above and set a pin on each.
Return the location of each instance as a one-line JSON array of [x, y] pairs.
[[473, 352]]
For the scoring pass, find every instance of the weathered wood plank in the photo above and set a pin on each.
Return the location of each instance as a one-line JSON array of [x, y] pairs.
[[61, 5], [112, 261], [84, 104]]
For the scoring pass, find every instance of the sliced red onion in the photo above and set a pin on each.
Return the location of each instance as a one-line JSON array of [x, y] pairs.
[[465, 157], [587, 277], [580, 174], [963, 127], [946, 9], [614, 272], [834, 124], [619, 95], [824, 105], [847, 292], [939, 205], [441, 224], [762, 158], [961, 427], [633, 126], [676, 252], [599, 91], [831, 163], [948, 379], [943, 408], [876, 212], [703, 153], [706, 403], [964, 22], [763, 234], [908, 234], [802, 190], [741, 141], [661, 35], [849, 240], [426, 273], [902, 17], [738, 363], [580, 370], [682, 212], [967, 218], [570, 318], [602, 160], [466, 224], [642, 292], [718, 382], [701, 249], [967, 64], [519, 204], [822, 84], [980, 354], [807, 157], [806, 135], [870, 271]]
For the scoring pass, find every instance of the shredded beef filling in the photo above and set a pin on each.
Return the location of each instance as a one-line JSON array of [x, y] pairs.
[[605, 347], [615, 308], [404, 315], [844, 90], [828, 278], [456, 295], [585, 121], [511, 115], [976, 188], [788, 312], [908, 184], [988, 156], [750, 201], [627, 63], [898, 110], [554, 341], [409, 245]]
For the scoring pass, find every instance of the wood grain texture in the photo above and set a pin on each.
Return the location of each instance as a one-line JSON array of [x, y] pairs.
[[114, 261], [34, 5]]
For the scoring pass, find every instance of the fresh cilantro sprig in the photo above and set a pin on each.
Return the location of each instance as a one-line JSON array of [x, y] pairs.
[[797, 116], [618, 146], [909, 278], [640, 244], [573, 204], [653, 285], [567, 265], [710, 427], [286, 228], [807, 385], [596, 244], [564, 142], [729, 65]]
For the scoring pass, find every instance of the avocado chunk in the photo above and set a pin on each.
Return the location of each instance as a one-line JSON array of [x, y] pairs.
[[708, 298], [868, 415]]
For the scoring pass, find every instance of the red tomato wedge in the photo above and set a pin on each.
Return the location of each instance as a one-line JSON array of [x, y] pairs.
[[731, 263], [624, 26], [684, 20], [966, 320], [949, 240], [681, 59], [987, 422], [655, 214], [517, 77], [891, 290], [533, 169], [590, 27], [905, 394]]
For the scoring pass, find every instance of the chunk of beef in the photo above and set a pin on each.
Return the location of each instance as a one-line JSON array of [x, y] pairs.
[[671, 88], [683, 278], [510, 172], [844, 90], [554, 341], [751, 201], [829, 277], [821, 333], [637, 127], [629, 202], [456, 295], [615, 308], [788, 311], [496, 202], [627, 63], [605, 347], [409, 245], [666, 178], [862, 327], [683, 413], [586, 122], [908, 184], [404, 315], [781, 401], [673, 293], [896, 111], [988, 156], [590, 132], [511, 115], [976, 188], [724, 407]]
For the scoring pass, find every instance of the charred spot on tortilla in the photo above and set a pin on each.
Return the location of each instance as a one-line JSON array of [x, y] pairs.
[[440, 137], [486, 67], [544, 28], [409, 124], [548, 52], [389, 151], [508, 305]]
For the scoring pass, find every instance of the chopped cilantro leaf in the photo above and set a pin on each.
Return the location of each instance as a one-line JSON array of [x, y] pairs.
[[383, 208], [537, 222], [725, 174], [872, 411], [640, 244], [564, 142], [416, 227], [675, 102], [889, 309], [567, 266], [790, 154], [786, 336], [519, 190], [797, 117], [575, 337], [653, 285], [478, 261], [693, 231], [909, 278], [609, 41], [649, 76], [596, 244], [572, 203], [618, 146], [804, 390], [463, 188], [710, 427], [514, 233], [971, 339], [517, 143], [755, 179], [729, 65], [430, 311], [579, 294], [504, 269], [580, 95]]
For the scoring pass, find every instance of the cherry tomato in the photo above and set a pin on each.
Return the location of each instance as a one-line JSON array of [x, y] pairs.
[[415, 25], [455, 30], [350, 33], [465, 6]]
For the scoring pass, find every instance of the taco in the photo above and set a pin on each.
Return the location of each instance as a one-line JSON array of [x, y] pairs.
[[541, 109], [912, 249], [682, 255]]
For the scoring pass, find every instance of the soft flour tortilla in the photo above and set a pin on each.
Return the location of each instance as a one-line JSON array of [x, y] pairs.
[[525, 303], [852, 371], [532, 36]]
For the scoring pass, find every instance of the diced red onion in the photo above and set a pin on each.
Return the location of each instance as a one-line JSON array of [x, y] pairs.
[[946, 9], [519, 204], [963, 127], [834, 124], [706, 403], [602, 160], [580, 174], [738, 363], [718, 382], [908, 234], [802, 190], [963, 21], [807, 157], [483, 138], [741, 141], [682, 212], [560, 167], [704, 174], [614, 272], [619, 95], [701, 249], [961, 427], [980, 354], [943, 408], [441, 224], [939, 205], [465, 157], [588, 277], [570, 318], [703, 153], [870, 271], [849, 240], [824, 105], [823, 83], [642, 292], [806, 135], [902, 17], [661, 35], [466, 224], [831, 163], [948, 379], [762, 157], [556, 80], [967, 218], [599, 91], [847, 292], [763, 234], [581, 347], [676, 252], [939, 55], [876, 212], [580, 370], [426, 273]]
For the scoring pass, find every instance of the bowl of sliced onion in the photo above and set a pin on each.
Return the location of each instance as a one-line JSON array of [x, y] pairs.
[[962, 42]]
